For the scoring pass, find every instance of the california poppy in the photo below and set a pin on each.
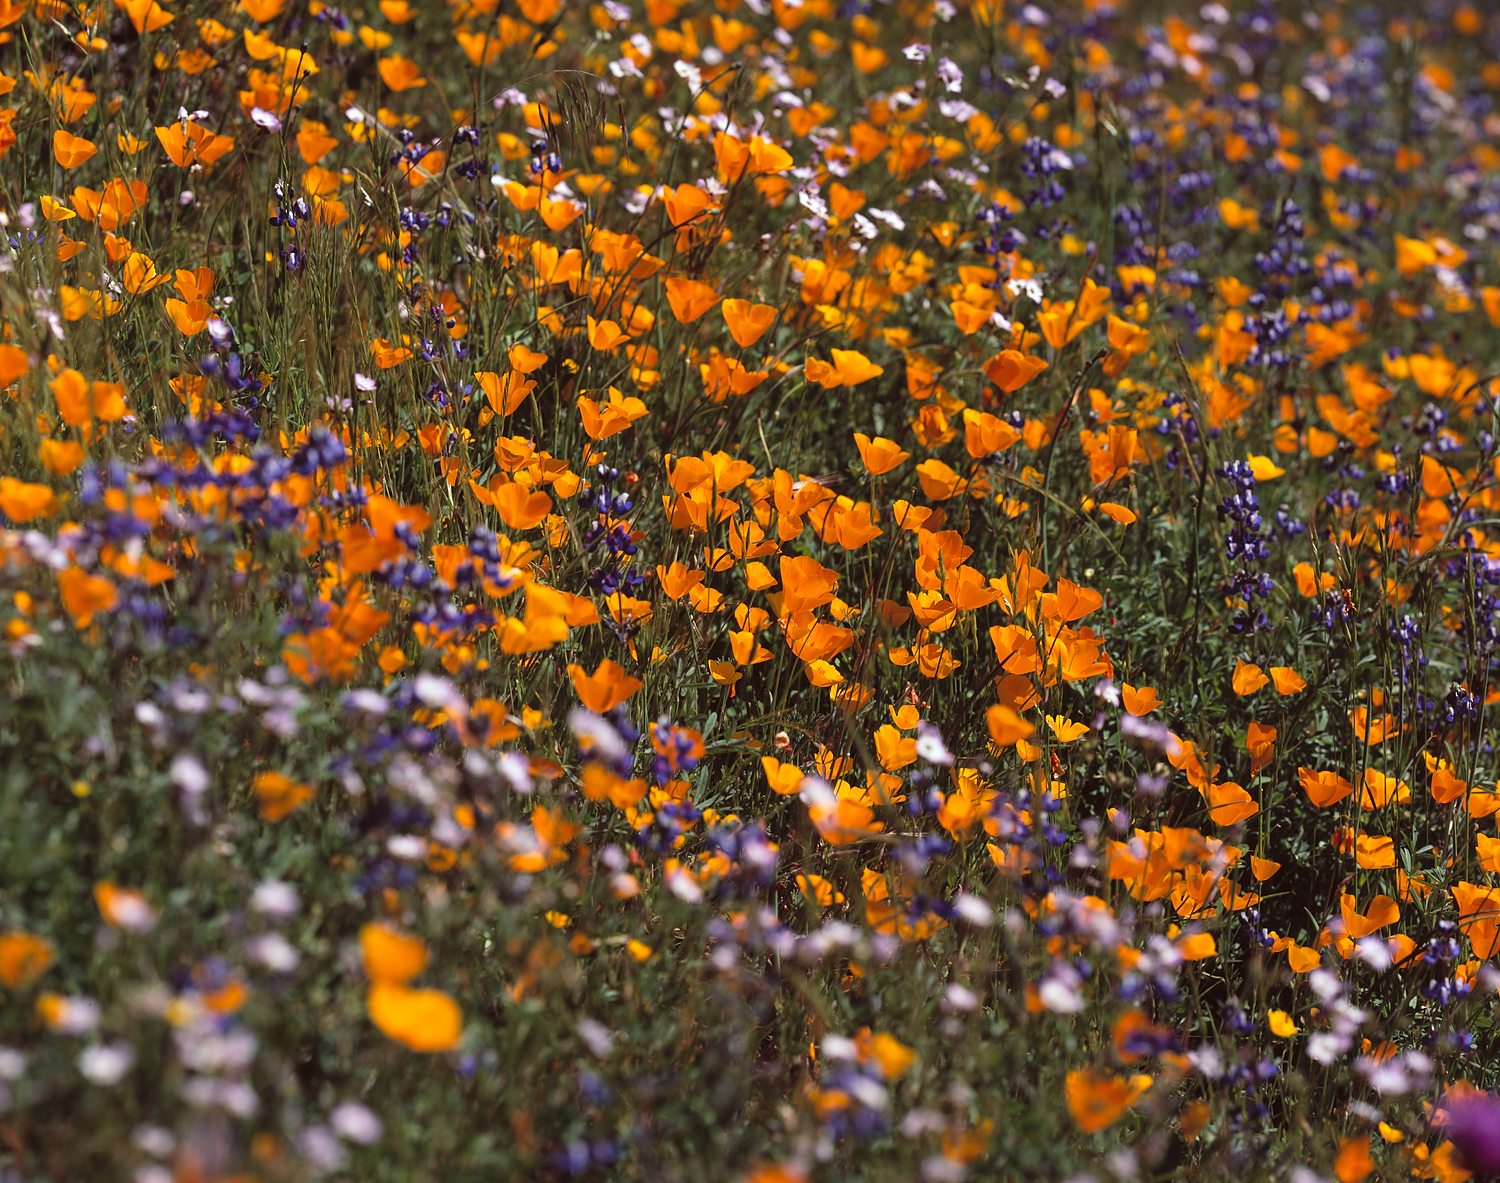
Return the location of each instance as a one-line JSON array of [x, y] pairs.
[[71, 150], [505, 392], [689, 298], [400, 73], [1247, 678], [391, 956], [1287, 680], [606, 688], [279, 795], [1096, 1100], [1479, 916], [880, 455], [85, 595], [1139, 700], [1382, 911], [849, 368], [521, 507], [686, 203], [423, 1020], [747, 322], [24, 957], [1010, 369], [188, 143], [21, 501], [604, 418], [1323, 788]]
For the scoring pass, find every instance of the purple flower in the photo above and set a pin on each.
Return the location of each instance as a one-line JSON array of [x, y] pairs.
[[1472, 1123]]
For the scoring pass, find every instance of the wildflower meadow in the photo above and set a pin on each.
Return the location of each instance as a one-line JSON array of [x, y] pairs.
[[777, 591]]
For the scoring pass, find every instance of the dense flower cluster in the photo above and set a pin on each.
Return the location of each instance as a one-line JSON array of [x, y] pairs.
[[755, 589]]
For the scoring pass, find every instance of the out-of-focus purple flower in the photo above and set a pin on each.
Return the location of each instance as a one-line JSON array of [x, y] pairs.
[[1149, 734], [1471, 1121]]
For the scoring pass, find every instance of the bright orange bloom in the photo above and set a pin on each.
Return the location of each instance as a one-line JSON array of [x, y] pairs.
[[606, 688], [139, 275], [520, 506], [79, 402], [686, 203], [1479, 916], [423, 1020], [747, 322], [1248, 678], [60, 457], [1323, 788], [71, 150], [1006, 726], [1011, 369], [880, 455], [279, 795], [147, 15], [23, 958], [505, 392], [806, 584], [849, 368], [22, 501], [85, 595], [689, 298], [784, 779], [610, 417], [1354, 1163], [187, 143], [401, 73], [1382, 911], [1096, 1100], [391, 956], [1287, 680]]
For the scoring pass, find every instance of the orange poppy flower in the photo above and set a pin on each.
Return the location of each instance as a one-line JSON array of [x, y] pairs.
[[23, 958], [1287, 680], [423, 1020], [602, 419], [525, 360], [1247, 678], [686, 203], [139, 275], [505, 392], [1479, 916], [520, 506], [1096, 1100], [606, 688], [1323, 788], [60, 457], [747, 322], [1381, 912], [1139, 701], [606, 335], [85, 595], [71, 150], [147, 15], [187, 143], [391, 956], [401, 73], [849, 368], [1011, 369], [279, 795], [689, 298], [22, 501], [880, 455]]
